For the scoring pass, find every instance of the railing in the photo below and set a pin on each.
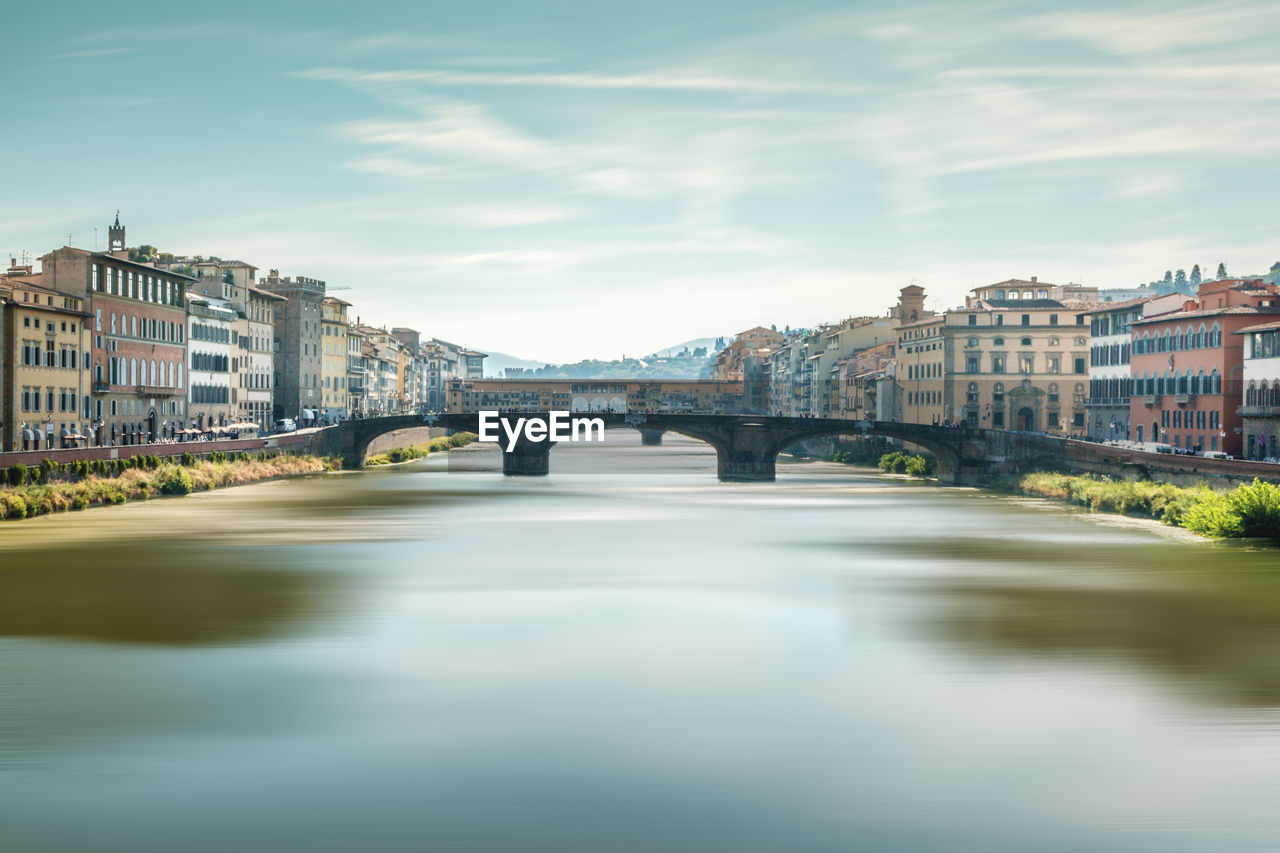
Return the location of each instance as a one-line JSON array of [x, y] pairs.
[[101, 387], [1106, 401], [1258, 411], [156, 391]]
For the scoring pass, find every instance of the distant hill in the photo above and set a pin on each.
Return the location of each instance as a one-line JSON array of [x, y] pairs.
[[709, 343], [497, 363], [668, 363]]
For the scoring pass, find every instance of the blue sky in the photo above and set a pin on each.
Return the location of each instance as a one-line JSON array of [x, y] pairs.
[[567, 180]]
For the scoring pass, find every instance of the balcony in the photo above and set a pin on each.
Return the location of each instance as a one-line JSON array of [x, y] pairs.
[[101, 387], [157, 391], [1150, 399], [1258, 411], [1107, 401]]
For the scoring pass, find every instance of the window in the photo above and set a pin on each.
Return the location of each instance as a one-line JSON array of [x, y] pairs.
[[971, 394], [999, 319], [973, 319], [971, 364], [1026, 319], [1053, 319], [1053, 419], [1026, 364], [1054, 364], [1026, 342], [1079, 365]]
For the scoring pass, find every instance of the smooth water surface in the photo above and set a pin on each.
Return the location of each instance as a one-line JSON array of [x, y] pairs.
[[627, 655]]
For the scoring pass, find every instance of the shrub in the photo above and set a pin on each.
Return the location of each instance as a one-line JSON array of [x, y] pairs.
[[173, 480], [12, 505], [46, 467], [17, 476], [917, 466], [79, 502]]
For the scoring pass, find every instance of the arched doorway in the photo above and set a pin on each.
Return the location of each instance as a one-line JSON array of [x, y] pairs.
[[151, 426], [1026, 419], [1155, 430]]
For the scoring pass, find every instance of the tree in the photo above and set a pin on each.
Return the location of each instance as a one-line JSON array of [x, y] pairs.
[[1195, 276], [700, 352], [1222, 270], [1168, 277], [719, 343], [1180, 279]]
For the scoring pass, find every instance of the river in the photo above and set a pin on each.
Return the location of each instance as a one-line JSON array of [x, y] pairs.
[[627, 655]]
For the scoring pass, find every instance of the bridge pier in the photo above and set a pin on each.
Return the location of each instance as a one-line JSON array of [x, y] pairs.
[[527, 459], [651, 436]]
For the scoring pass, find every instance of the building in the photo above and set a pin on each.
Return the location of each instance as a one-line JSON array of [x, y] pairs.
[[45, 367], [1260, 409], [335, 402], [233, 284], [299, 335], [1014, 357], [440, 360], [1109, 361], [665, 396], [211, 325], [1187, 367], [859, 379], [357, 393], [139, 351], [254, 374], [472, 364]]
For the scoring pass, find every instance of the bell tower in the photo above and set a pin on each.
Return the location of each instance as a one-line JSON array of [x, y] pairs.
[[115, 236]]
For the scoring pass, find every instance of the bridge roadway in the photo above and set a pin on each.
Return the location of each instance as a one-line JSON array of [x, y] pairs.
[[747, 446]]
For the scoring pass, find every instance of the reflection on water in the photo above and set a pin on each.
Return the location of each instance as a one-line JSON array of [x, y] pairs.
[[627, 655], [167, 593]]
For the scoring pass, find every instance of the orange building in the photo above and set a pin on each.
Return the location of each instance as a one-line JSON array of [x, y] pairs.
[[1187, 367]]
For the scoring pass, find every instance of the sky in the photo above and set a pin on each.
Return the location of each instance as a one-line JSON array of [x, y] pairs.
[[566, 180]]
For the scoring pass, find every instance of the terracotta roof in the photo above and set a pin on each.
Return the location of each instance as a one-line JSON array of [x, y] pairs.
[[1178, 316]]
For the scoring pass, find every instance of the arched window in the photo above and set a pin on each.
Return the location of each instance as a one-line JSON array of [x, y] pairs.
[[133, 371], [1215, 336], [1215, 380], [971, 395], [179, 374], [155, 377], [1197, 384], [1026, 342], [1202, 337]]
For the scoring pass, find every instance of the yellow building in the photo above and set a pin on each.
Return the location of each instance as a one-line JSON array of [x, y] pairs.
[[1015, 357], [335, 399], [46, 380]]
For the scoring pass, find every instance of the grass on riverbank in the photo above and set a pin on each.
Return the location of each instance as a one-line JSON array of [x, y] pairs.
[[52, 488], [435, 445], [1248, 511]]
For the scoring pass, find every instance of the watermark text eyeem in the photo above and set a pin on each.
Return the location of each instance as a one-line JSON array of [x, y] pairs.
[[548, 426]]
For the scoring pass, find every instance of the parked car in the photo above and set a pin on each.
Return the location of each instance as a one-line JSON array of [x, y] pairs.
[[285, 425], [1160, 448], [1216, 454]]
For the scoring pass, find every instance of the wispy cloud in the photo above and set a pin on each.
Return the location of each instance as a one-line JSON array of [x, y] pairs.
[[97, 52], [690, 80]]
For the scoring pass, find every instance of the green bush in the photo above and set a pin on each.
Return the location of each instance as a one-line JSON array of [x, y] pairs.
[[173, 480], [187, 459], [917, 466], [12, 505], [79, 502], [17, 476]]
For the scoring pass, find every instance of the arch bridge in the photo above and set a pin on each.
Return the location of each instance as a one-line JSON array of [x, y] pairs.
[[746, 446]]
